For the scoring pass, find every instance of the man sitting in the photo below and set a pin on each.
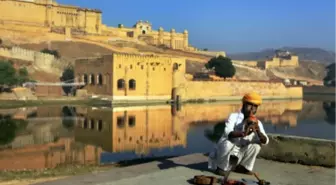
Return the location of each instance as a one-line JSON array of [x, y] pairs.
[[242, 139]]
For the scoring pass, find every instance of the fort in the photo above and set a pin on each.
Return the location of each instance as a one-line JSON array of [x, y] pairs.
[[49, 16], [280, 59], [128, 77]]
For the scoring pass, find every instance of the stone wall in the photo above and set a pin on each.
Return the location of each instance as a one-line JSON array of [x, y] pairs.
[[221, 90], [210, 53], [40, 60], [274, 62], [306, 151]]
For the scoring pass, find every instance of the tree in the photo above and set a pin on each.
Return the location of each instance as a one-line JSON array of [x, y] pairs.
[[51, 52], [7, 74], [68, 77], [7, 130], [22, 76], [329, 79], [222, 66]]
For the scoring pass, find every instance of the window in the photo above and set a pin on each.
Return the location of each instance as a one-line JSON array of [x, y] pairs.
[[85, 78], [132, 84], [120, 122], [131, 121], [175, 66], [100, 125], [92, 79], [121, 84], [92, 124], [85, 124], [100, 79]]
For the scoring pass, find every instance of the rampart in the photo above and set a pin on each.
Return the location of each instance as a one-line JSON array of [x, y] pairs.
[[230, 90], [41, 60], [292, 61]]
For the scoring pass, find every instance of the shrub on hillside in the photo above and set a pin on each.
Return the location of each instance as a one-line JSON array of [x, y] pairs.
[[9, 76], [51, 52]]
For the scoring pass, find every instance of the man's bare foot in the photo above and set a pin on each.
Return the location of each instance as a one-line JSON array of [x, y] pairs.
[[220, 172], [243, 170]]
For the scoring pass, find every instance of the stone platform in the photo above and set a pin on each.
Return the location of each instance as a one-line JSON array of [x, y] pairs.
[[180, 170]]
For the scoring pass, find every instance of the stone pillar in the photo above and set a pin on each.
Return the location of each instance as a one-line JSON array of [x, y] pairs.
[[185, 40], [160, 38], [172, 38], [67, 33]]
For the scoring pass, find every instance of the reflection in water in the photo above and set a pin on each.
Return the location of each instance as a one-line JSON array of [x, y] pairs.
[[329, 108], [46, 137]]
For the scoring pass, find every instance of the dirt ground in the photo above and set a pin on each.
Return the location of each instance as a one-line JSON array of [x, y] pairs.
[[30, 181]]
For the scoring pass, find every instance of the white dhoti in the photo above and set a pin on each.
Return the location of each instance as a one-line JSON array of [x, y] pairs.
[[221, 155], [245, 148]]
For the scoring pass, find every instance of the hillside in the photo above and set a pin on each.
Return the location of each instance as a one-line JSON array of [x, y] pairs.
[[305, 54], [77, 48], [195, 62]]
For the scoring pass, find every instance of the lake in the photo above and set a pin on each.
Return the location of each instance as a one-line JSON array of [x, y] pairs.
[[49, 136]]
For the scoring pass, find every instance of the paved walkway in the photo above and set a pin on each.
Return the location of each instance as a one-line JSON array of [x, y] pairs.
[[179, 170]]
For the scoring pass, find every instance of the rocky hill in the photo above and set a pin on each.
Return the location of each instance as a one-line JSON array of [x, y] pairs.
[[305, 54]]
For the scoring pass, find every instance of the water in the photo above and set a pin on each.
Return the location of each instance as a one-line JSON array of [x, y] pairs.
[[49, 136]]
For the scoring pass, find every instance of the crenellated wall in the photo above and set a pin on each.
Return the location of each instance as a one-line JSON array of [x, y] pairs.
[[41, 60]]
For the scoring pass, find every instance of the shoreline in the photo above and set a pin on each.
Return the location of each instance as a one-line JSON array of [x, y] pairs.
[[282, 148], [121, 103]]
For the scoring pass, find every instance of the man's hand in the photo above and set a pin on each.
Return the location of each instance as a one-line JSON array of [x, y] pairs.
[[235, 134], [261, 136], [255, 128]]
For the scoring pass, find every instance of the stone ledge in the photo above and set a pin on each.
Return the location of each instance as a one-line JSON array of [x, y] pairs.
[[301, 150]]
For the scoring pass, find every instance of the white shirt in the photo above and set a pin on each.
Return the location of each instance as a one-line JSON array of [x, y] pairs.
[[235, 123]]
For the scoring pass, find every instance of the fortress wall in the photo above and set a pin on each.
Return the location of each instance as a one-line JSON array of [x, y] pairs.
[[41, 60], [250, 63], [226, 89]]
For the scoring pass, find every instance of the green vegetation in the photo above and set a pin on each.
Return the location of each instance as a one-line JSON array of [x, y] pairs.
[[51, 52], [68, 77], [8, 128], [9, 76], [222, 66]]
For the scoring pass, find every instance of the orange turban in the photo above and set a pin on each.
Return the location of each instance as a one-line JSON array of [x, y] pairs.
[[253, 98]]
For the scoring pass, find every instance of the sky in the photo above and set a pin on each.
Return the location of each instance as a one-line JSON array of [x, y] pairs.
[[229, 25]]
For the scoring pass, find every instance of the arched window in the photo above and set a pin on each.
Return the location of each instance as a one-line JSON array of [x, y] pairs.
[[175, 66], [121, 84], [92, 79], [85, 124], [131, 121], [85, 78], [92, 124], [100, 79], [100, 125], [132, 84], [120, 122]]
